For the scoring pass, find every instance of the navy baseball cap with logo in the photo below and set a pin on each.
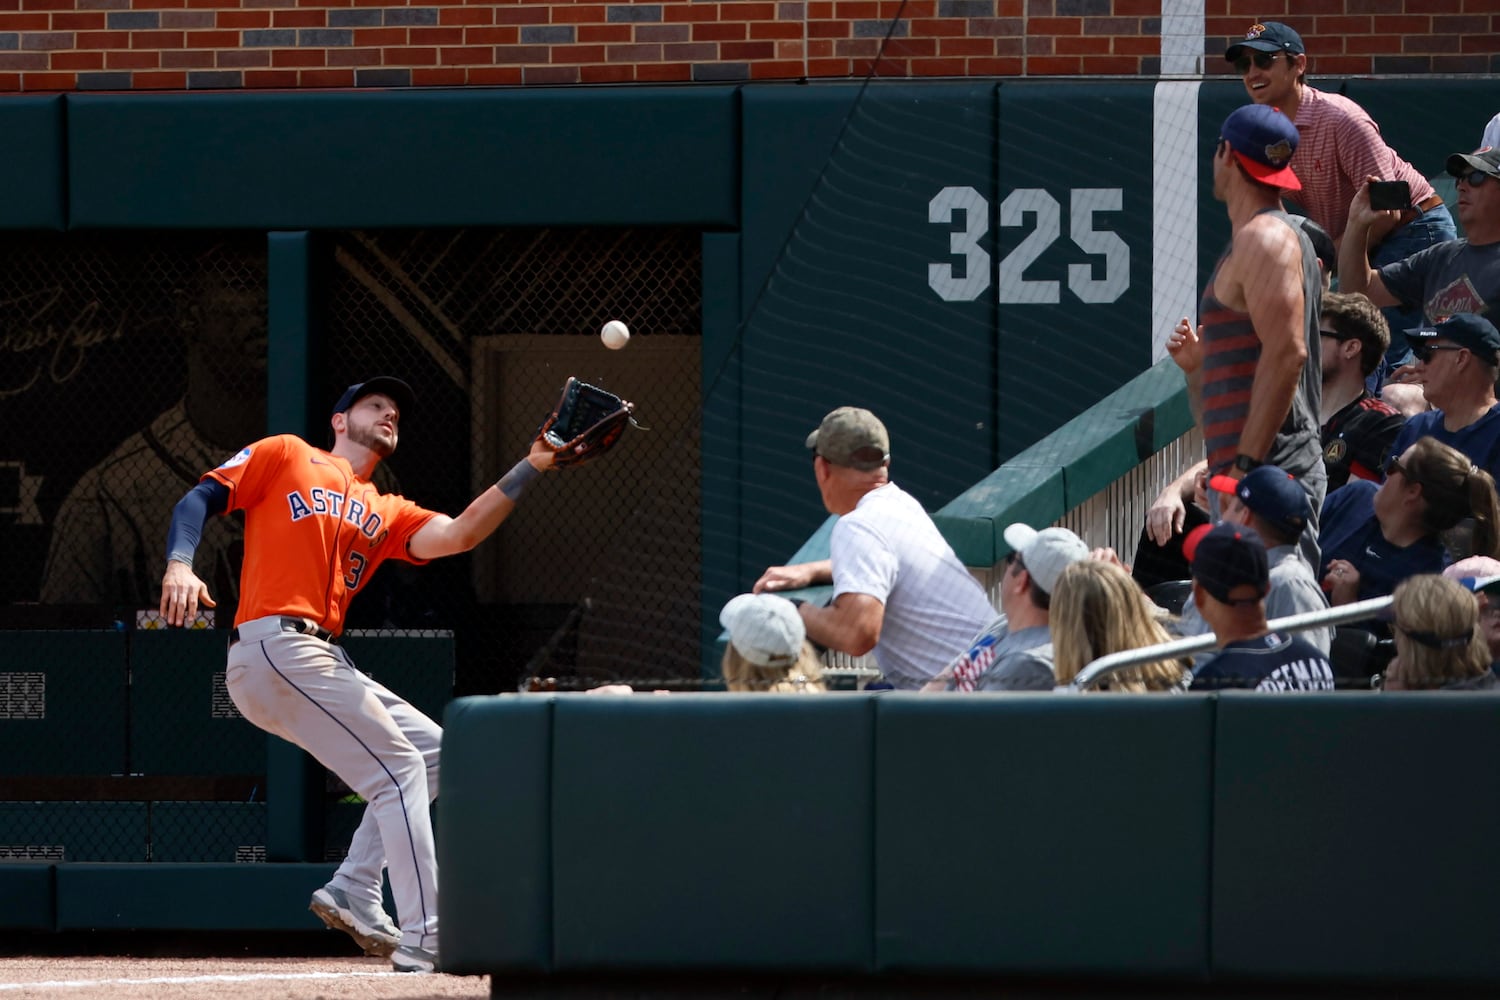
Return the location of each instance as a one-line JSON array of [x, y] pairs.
[[1263, 140], [1466, 330], [1271, 493], [383, 384], [1225, 556], [1485, 160], [1269, 36]]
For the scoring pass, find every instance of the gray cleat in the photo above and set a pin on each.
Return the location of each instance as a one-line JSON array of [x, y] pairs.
[[366, 923], [409, 958]]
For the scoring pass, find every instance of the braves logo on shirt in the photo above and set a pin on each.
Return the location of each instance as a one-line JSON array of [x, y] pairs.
[[1459, 297]]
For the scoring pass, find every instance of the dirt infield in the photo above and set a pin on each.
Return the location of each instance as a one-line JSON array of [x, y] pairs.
[[220, 965], [259, 978]]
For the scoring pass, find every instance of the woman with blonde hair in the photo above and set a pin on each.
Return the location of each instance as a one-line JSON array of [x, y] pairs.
[[768, 648], [1097, 609], [1439, 645]]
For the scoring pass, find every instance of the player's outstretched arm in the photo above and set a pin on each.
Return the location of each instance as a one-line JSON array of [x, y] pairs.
[[445, 536]]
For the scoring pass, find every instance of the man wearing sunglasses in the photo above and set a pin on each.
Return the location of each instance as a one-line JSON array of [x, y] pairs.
[[1456, 276], [1340, 146], [1457, 362]]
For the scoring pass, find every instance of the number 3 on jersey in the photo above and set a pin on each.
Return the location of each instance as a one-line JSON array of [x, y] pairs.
[[356, 571]]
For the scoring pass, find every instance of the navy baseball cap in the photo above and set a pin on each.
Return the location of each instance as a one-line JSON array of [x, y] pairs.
[[1486, 161], [1466, 330], [383, 384], [1271, 493], [1263, 140], [1268, 36], [1225, 556]]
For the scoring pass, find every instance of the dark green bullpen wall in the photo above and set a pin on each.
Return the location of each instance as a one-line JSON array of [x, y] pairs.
[[1237, 837]]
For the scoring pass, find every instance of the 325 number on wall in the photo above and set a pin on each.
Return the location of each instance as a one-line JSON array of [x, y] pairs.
[[1014, 287]]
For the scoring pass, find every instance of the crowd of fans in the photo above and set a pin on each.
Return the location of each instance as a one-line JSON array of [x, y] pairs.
[[1352, 441]]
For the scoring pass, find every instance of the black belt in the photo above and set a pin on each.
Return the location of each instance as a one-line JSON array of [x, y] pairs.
[[299, 625]]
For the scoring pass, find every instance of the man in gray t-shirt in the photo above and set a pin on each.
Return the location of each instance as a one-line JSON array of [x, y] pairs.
[[1459, 276], [1269, 502], [1015, 652]]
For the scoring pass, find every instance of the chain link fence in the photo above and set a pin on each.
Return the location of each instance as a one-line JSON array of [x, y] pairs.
[[133, 363]]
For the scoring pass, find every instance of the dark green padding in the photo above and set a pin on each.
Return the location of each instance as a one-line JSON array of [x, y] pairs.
[[1355, 837], [26, 889], [712, 831], [1069, 465], [493, 835], [60, 686], [838, 184], [172, 897], [33, 170], [1073, 323], [1043, 834], [182, 720], [572, 156]]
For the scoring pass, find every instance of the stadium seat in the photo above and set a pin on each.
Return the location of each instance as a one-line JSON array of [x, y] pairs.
[[1357, 655], [1170, 594]]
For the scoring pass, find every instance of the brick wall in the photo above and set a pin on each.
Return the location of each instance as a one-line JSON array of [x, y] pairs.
[[52, 45]]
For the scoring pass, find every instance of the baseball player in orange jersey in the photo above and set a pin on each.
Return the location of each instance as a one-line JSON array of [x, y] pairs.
[[315, 530]]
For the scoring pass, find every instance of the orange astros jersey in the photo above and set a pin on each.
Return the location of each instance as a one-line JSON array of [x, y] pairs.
[[314, 531]]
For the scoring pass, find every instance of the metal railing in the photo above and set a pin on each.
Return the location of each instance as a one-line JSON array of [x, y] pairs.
[[1101, 668]]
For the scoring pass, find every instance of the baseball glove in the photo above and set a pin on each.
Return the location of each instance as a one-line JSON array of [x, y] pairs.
[[586, 423]]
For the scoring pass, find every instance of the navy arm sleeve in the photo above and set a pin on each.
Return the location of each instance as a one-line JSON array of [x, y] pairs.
[[209, 497]]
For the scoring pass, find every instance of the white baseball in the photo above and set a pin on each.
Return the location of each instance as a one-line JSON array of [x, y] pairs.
[[615, 335]]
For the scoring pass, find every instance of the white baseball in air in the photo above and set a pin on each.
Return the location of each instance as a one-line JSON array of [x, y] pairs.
[[615, 335]]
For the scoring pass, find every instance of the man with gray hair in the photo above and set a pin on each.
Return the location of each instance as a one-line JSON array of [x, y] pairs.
[[898, 588]]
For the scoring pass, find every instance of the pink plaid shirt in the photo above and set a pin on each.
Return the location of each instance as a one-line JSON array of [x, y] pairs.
[[1340, 146]]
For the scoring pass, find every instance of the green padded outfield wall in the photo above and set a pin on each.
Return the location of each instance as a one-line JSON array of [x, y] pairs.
[[1072, 250], [65, 705], [839, 187], [586, 156], [1051, 835], [1204, 838], [31, 172]]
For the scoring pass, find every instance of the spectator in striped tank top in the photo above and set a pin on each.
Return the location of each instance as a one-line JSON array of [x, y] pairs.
[[1340, 146], [1253, 366]]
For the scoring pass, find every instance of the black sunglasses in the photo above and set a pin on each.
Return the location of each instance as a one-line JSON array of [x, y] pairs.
[[1473, 178], [1424, 352], [1262, 60]]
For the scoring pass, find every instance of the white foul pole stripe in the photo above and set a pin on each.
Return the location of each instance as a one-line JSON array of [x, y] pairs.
[[1176, 158]]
